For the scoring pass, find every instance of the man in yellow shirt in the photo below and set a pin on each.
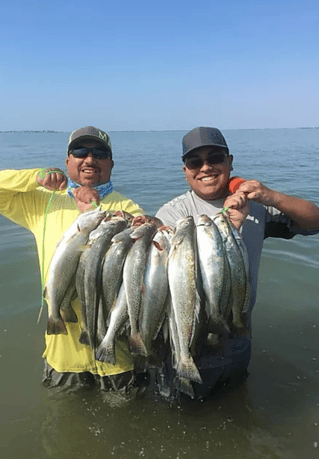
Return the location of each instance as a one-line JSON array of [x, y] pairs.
[[24, 199]]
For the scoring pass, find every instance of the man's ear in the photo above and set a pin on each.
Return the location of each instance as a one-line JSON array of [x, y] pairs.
[[230, 159]]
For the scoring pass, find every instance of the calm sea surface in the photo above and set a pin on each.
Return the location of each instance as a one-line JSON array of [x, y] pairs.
[[274, 414]]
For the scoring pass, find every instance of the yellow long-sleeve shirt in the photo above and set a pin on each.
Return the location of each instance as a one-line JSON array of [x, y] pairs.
[[24, 202]]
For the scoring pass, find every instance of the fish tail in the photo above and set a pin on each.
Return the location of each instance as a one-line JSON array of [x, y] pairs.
[[237, 319], [186, 368], [68, 315], [184, 385], [84, 338], [241, 327], [56, 327], [238, 322], [218, 325], [137, 344], [106, 353]]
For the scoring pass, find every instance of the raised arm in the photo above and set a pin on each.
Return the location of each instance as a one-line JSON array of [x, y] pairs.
[[17, 191], [304, 213]]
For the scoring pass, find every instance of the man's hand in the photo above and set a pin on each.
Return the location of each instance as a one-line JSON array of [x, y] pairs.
[[85, 197], [238, 208], [256, 191], [52, 178], [304, 213]]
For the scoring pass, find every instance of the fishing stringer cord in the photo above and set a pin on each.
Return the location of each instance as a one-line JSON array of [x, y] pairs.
[[43, 255], [42, 174]]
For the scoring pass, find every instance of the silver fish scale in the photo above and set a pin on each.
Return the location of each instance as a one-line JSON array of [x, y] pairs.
[[155, 289], [182, 283], [213, 267], [133, 277], [237, 269]]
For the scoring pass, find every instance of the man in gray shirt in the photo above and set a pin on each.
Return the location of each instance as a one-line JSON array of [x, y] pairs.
[[257, 212]]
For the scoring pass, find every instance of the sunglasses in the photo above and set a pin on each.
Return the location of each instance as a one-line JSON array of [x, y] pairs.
[[84, 151], [195, 162]]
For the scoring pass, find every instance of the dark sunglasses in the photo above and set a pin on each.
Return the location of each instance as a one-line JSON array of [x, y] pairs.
[[195, 162], [84, 151]]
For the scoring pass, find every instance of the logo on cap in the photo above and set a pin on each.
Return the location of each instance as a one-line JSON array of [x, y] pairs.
[[103, 136]]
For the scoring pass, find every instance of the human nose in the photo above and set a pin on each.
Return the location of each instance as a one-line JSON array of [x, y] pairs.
[[205, 165], [90, 158]]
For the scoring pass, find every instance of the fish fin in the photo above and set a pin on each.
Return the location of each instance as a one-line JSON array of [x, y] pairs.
[[106, 353], [68, 315], [217, 325], [213, 339], [137, 345], [174, 359], [99, 337], [240, 325], [247, 298], [198, 303], [123, 333], [177, 239], [243, 331], [165, 328], [186, 368], [237, 318], [197, 317], [84, 338], [184, 385], [56, 327], [161, 326]]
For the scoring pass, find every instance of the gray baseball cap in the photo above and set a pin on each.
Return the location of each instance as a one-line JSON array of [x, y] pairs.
[[203, 137], [90, 133]]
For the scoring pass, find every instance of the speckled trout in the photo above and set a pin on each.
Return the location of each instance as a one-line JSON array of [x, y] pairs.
[[117, 320], [63, 266], [238, 270], [182, 275], [93, 272], [112, 271], [155, 290], [212, 262], [133, 279]]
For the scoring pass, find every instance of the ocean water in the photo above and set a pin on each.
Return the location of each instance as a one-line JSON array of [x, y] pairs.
[[274, 414]]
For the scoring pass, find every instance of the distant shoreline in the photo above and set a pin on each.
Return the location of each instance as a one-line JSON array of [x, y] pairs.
[[36, 132], [151, 130]]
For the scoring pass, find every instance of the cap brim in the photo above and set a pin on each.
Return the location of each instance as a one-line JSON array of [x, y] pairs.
[[206, 145], [88, 137]]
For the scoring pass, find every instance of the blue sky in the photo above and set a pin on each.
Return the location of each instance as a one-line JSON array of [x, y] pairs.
[[146, 65]]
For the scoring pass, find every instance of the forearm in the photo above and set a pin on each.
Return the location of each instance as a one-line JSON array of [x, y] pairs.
[[304, 213]]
